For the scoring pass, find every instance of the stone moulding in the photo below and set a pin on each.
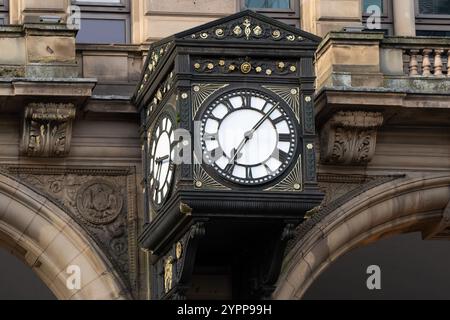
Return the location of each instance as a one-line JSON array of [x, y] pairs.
[[349, 137], [47, 130]]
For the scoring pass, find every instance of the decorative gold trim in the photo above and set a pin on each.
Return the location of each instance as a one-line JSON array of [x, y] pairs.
[[247, 28], [168, 274], [290, 95], [179, 250], [293, 182], [201, 93], [185, 209], [202, 180], [246, 67]]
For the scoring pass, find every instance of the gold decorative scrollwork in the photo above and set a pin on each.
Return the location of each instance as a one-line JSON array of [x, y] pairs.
[[201, 92], [293, 182], [203, 180], [290, 95]]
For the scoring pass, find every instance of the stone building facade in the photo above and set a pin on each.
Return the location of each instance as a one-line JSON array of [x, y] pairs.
[[71, 150]]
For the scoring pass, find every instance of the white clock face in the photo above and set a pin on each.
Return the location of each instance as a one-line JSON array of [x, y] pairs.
[[161, 168], [248, 138]]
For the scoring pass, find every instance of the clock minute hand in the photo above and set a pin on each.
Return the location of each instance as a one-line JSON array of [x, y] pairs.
[[261, 122], [249, 134]]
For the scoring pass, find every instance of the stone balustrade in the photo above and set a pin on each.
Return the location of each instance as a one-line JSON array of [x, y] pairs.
[[428, 62], [421, 56], [373, 60]]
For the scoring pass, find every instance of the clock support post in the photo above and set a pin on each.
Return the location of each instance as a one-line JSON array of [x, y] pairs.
[[219, 222]]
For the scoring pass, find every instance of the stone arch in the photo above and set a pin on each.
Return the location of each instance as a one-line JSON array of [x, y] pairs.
[[45, 237], [410, 204]]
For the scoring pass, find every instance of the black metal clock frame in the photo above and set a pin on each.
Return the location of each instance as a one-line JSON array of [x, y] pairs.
[[290, 159], [208, 223]]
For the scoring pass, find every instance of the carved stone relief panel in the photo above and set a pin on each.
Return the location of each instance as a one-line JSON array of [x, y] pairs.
[[47, 130], [101, 201]]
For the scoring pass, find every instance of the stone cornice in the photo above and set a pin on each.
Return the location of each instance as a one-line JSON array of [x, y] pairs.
[[37, 29], [390, 102], [63, 170]]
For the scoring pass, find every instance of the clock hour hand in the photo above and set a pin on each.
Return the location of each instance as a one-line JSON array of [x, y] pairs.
[[159, 162], [162, 159], [158, 176], [236, 153]]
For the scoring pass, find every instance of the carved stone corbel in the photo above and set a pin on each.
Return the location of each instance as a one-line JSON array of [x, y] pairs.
[[350, 137], [47, 130]]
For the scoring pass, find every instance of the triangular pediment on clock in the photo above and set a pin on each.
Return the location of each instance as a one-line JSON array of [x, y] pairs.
[[248, 26]]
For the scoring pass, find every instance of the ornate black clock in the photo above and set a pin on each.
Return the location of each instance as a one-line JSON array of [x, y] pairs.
[[229, 155]]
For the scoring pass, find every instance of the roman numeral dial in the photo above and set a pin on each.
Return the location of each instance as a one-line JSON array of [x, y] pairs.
[[248, 137], [161, 168]]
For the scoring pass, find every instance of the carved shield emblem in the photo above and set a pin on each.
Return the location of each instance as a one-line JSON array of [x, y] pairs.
[[99, 202]]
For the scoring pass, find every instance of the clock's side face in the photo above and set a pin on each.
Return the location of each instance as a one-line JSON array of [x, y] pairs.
[[248, 137], [161, 168]]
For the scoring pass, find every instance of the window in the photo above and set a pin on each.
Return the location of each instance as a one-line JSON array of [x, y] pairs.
[[368, 3], [4, 12], [433, 18], [434, 7], [268, 4], [287, 11], [385, 10], [104, 21]]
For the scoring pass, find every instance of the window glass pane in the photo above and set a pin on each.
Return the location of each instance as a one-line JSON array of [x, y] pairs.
[[102, 31], [434, 7], [368, 3], [98, 1], [268, 4], [3, 12]]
